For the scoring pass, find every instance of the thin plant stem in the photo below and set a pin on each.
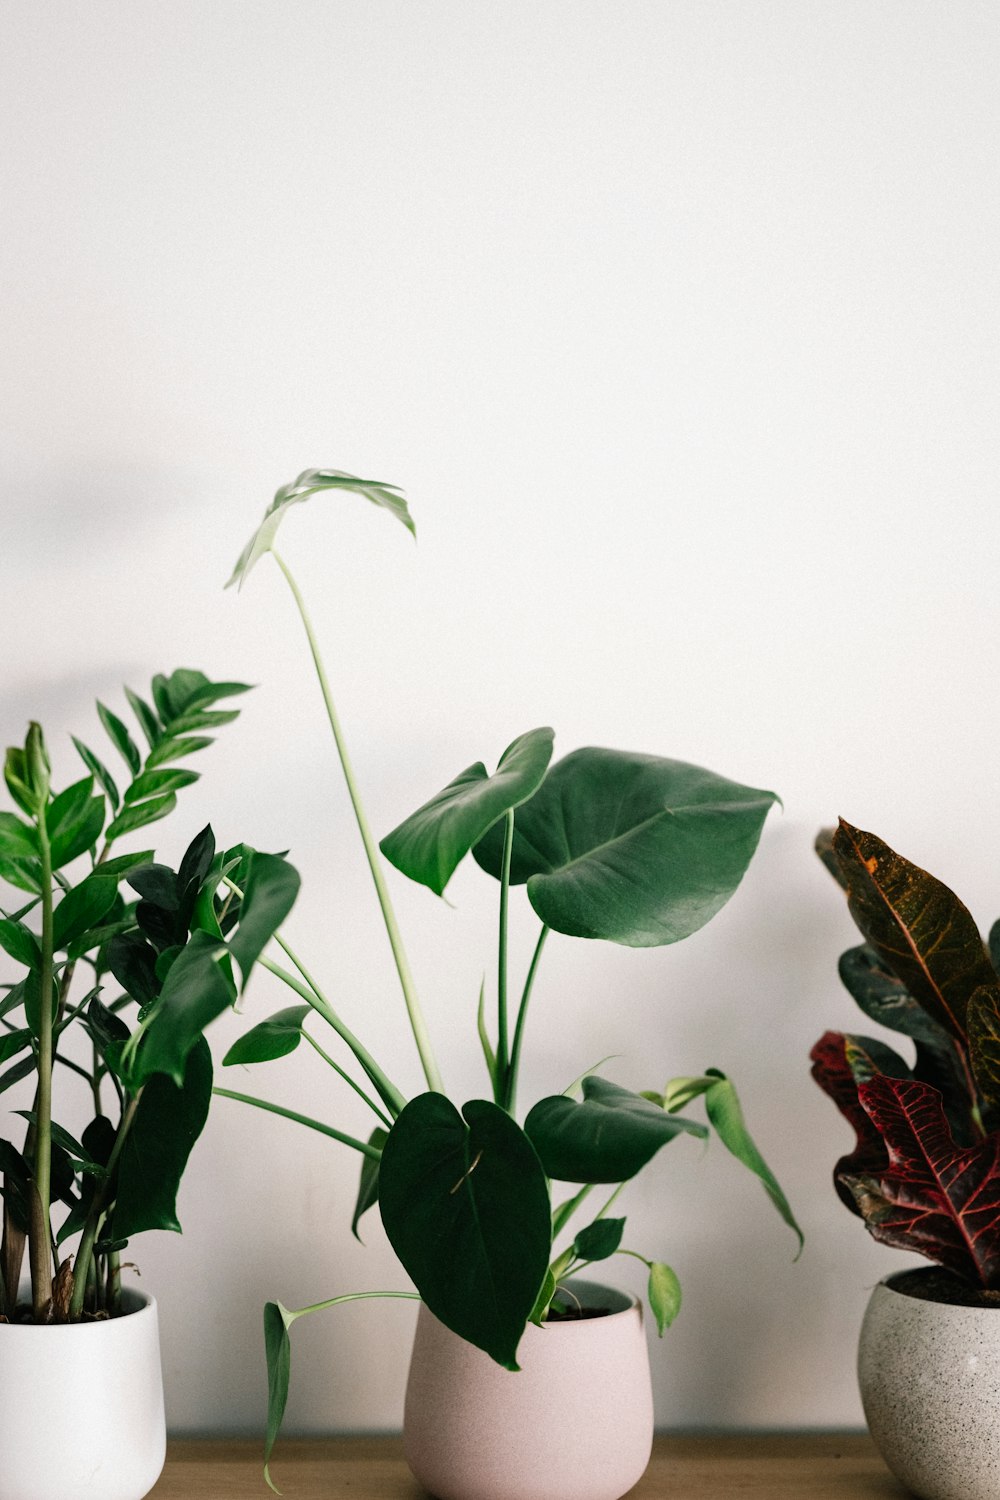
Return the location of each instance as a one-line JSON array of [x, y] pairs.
[[503, 1052], [290, 1114], [510, 1096], [611, 1201], [417, 1023], [347, 1297], [41, 1258], [85, 1254], [347, 1078]]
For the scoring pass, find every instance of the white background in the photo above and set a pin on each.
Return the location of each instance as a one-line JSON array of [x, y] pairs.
[[678, 324]]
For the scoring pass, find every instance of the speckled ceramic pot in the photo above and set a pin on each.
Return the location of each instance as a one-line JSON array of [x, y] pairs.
[[574, 1423], [930, 1384]]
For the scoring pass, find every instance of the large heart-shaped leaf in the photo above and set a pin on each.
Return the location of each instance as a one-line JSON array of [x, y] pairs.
[[609, 1137], [432, 842], [632, 848], [933, 1198], [916, 924], [833, 1071], [466, 1207], [311, 482], [168, 1121]]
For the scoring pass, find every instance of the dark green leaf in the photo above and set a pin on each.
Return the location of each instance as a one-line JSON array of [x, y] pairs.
[[120, 738], [609, 1137], [450, 1191], [18, 840], [429, 845], [599, 1240], [309, 482], [984, 1039], [271, 888], [17, 1072], [98, 769], [156, 884], [630, 848], [664, 1293], [167, 1123], [123, 863], [132, 961], [24, 874], [140, 814], [726, 1115], [74, 821], [190, 696], [17, 1176], [275, 1037], [81, 908], [368, 1185], [67, 1143], [109, 1034], [195, 866], [156, 783], [176, 749], [148, 721], [13, 1042], [994, 945], [204, 718], [194, 993], [278, 1348], [20, 943], [17, 777], [13, 998]]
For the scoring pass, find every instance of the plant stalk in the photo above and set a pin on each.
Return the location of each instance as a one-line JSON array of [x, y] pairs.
[[40, 1254], [510, 1095], [417, 1023], [503, 1052], [290, 1114], [85, 1254], [384, 1118]]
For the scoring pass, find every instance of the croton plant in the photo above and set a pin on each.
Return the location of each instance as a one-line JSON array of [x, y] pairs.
[[924, 1174]]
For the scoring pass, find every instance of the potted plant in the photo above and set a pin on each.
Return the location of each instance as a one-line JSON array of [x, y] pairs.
[[924, 1174], [633, 849], [120, 965]]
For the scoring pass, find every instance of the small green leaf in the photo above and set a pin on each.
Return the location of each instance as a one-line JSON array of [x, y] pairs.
[[599, 1239], [123, 863], [723, 1108], [310, 482], [278, 1348], [18, 840], [17, 1072], [275, 1037], [23, 874], [13, 1042], [16, 775], [148, 721], [368, 1185], [204, 718], [609, 1137], [120, 738], [664, 1292], [140, 814], [484, 1038], [74, 821], [99, 770], [20, 943], [155, 783], [194, 992], [176, 749], [82, 908], [271, 888]]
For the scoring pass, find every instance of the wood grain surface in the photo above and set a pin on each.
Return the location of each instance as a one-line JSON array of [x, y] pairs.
[[829, 1467]]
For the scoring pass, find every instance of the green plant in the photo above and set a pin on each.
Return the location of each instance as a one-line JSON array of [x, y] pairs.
[[924, 1174], [634, 849], [140, 1054]]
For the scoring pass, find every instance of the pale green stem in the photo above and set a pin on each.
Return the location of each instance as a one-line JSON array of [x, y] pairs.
[[503, 1052], [417, 1023], [612, 1200], [522, 1015], [347, 1297], [347, 1078], [40, 1288], [565, 1211], [290, 1114], [388, 1091], [84, 1256]]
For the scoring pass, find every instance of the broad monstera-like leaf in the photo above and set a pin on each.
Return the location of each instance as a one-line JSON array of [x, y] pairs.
[[916, 924], [934, 1197], [631, 848], [609, 1136], [833, 1071]]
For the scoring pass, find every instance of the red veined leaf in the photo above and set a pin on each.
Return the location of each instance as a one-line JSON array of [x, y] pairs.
[[832, 1070]]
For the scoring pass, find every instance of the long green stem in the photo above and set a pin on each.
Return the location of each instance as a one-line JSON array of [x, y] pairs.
[[290, 1114], [347, 1078], [388, 1091], [522, 1014], [417, 1023], [41, 1265], [503, 1050], [85, 1254], [347, 1297]]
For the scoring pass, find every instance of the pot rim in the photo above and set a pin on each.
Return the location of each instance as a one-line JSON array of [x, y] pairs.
[[957, 1308], [598, 1288], [143, 1303]]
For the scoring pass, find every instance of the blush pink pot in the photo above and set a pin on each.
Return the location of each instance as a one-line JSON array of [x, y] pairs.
[[574, 1423]]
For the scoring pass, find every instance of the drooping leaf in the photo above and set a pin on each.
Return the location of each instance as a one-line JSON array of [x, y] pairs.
[[933, 1198], [167, 1123], [100, 772], [82, 908], [194, 992], [310, 482], [450, 1190], [631, 848], [984, 1039], [599, 1240], [832, 1070], [20, 942], [726, 1115], [664, 1293], [368, 1184], [275, 1037], [141, 813], [609, 1137], [271, 888], [120, 738], [278, 1350], [916, 924], [429, 846]]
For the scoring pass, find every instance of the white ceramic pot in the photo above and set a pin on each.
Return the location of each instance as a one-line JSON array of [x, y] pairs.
[[574, 1423], [930, 1384], [81, 1408]]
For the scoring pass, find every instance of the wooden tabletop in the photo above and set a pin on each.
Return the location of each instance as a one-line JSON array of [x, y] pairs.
[[831, 1467]]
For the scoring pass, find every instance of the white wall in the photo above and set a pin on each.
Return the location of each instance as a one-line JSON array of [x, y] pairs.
[[678, 323]]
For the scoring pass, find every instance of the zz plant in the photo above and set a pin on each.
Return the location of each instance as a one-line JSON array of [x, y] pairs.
[[924, 1174], [629, 848], [121, 964]]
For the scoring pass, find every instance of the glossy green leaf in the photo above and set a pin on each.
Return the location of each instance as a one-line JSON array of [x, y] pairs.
[[194, 992], [275, 1037], [13, 1042], [726, 1115], [16, 1072], [916, 924], [204, 718], [68, 1143], [24, 874], [609, 1137], [450, 1190], [429, 845], [176, 749], [156, 783], [311, 482], [13, 998], [133, 963], [20, 943], [271, 888], [141, 813], [109, 1034], [167, 1123], [100, 772], [599, 1240], [82, 908], [74, 820], [156, 884], [278, 1349], [17, 777], [120, 738], [664, 1293], [630, 848], [148, 722], [368, 1184], [123, 864], [18, 840]]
